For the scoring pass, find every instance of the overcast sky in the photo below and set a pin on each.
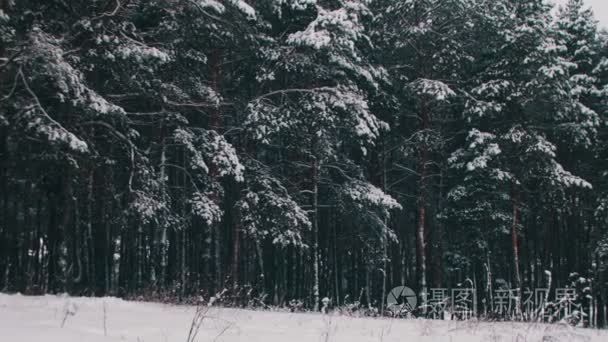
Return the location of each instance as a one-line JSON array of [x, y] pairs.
[[600, 8]]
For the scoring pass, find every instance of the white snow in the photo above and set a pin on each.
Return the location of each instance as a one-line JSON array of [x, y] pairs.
[[245, 8], [29, 319], [432, 88], [214, 5], [345, 21], [141, 53], [206, 208], [225, 157]]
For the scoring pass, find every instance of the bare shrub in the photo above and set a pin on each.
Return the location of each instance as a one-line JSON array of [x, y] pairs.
[[197, 321]]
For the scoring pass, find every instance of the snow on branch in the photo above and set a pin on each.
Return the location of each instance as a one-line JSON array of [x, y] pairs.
[[48, 127], [561, 176], [481, 149], [341, 27], [367, 195], [370, 208], [434, 89], [142, 53], [204, 207], [335, 107], [212, 4], [244, 8], [268, 211], [298, 5], [46, 58], [348, 100], [207, 147], [188, 140], [224, 156]]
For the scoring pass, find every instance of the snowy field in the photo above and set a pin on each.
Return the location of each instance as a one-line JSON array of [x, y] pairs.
[[34, 319]]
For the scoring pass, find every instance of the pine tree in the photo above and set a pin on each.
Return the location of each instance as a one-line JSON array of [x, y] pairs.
[[508, 144], [318, 110], [297, 149]]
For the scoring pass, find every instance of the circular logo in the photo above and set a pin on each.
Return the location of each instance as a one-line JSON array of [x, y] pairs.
[[401, 298]]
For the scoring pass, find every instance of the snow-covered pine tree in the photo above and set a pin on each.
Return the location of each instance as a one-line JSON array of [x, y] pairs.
[[507, 112], [314, 114], [424, 45], [167, 148]]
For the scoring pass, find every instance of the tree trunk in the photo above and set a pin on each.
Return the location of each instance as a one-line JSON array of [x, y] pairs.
[[139, 260], [52, 241], [236, 247], [183, 267], [438, 235], [4, 243], [4, 190], [515, 244], [260, 254], [423, 160], [315, 232], [38, 246], [385, 235], [489, 282], [336, 261], [164, 242], [90, 243], [215, 123]]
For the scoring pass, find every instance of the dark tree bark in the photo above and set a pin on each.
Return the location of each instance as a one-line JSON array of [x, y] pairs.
[[315, 229], [421, 202], [515, 243], [236, 247]]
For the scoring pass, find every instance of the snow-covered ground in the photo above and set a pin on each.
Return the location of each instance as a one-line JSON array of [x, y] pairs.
[[34, 319]]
